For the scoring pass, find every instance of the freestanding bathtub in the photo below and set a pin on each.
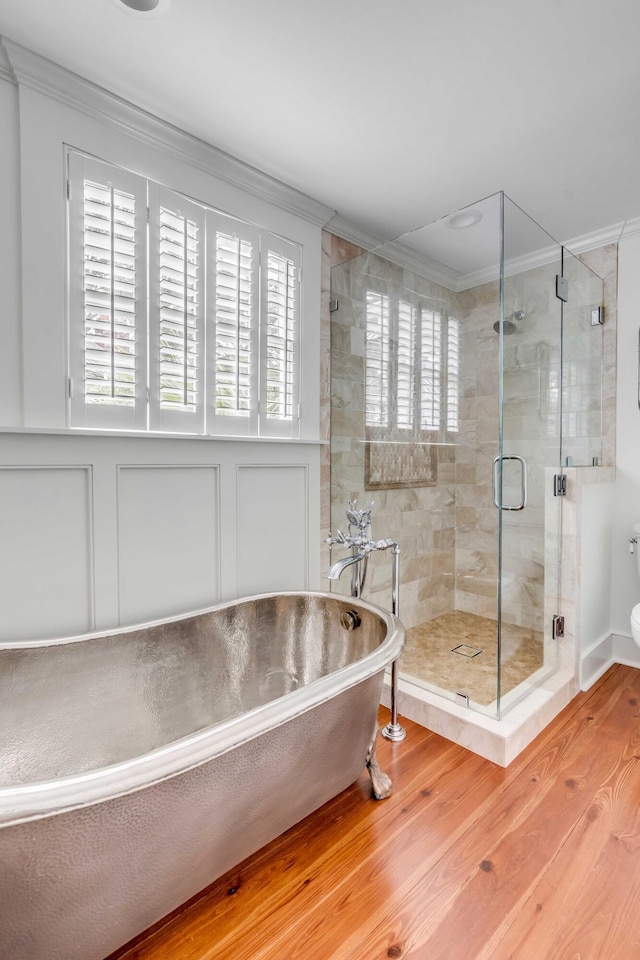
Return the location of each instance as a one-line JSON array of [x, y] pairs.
[[139, 765]]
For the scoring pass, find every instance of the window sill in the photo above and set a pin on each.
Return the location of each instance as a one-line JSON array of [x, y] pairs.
[[146, 434]]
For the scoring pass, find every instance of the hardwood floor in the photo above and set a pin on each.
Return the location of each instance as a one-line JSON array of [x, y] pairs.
[[465, 861]]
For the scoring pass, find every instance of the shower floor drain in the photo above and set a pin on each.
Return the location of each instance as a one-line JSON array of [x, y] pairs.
[[466, 651]]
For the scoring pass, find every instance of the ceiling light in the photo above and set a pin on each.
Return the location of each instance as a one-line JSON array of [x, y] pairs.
[[142, 6], [464, 219]]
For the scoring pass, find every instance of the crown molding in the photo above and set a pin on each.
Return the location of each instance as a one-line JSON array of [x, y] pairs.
[[353, 233], [630, 229], [394, 251], [547, 255], [6, 70], [457, 282], [31, 70], [598, 238], [550, 254]]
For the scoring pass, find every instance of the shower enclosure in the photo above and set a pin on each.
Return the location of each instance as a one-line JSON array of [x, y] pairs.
[[466, 373]]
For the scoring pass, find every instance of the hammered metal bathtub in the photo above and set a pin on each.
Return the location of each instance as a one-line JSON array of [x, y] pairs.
[[139, 765]]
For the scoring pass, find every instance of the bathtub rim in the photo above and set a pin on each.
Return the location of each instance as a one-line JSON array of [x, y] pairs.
[[22, 802]]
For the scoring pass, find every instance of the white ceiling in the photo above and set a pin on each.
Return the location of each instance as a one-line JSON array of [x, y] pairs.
[[392, 114]]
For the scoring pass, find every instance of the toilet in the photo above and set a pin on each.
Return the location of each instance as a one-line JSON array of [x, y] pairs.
[[634, 546]]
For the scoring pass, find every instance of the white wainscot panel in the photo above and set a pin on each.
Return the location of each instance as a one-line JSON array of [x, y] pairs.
[[272, 528], [46, 574], [168, 540]]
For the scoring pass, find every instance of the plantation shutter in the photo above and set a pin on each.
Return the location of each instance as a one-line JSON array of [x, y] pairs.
[[405, 388], [107, 296], [377, 360], [181, 319], [233, 312], [280, 337], [176, 312], [430, 369], [453, 374]]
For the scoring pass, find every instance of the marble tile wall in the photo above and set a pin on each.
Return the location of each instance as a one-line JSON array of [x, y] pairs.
[[421, 518], [476, 515], [604, 261], [449, 533]]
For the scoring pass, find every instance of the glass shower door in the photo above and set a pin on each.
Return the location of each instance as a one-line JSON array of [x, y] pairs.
[[529, 456]]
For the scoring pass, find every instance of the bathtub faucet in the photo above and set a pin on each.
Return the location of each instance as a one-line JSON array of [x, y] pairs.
[[361, 549], [361, 546], [357, 542]]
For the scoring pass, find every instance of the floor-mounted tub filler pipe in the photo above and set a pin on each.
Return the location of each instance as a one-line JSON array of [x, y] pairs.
[[361, 546]]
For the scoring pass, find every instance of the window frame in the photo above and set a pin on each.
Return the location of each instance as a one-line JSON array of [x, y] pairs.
[[448, 392], [98, 415], [206, 421]]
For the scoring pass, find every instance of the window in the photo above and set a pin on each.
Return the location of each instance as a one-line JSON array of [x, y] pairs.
[[181, 319], [411, 368]]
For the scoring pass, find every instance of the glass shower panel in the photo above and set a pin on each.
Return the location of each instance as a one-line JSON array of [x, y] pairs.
[[582, 366], [415, 430], [530, 450], [448, 411]]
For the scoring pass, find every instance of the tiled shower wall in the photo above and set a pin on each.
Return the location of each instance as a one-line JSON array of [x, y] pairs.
[[421, 518], [448, 532], [476, 563]]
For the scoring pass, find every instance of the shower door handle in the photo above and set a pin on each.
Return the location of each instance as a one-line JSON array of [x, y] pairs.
[[523, 483]]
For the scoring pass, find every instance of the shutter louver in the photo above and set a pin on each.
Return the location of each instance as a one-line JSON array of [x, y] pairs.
[[280, 337], [233, 303], [430, 369], [453, 374], [377, 366], [109, 295], [280, 349], [108, 353], [234, 311], [177, 326], [179, 347], [406, 365]]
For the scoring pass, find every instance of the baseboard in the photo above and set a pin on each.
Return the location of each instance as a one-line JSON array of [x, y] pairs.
[[614, 648], [596, 661]]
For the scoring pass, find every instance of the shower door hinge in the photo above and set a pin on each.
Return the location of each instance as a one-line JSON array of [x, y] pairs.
[[597, 316], [557, 630], [560, 485], [333, 305], [562, 288]]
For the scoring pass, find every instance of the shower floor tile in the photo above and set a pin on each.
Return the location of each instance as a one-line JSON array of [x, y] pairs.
[[430, 655]]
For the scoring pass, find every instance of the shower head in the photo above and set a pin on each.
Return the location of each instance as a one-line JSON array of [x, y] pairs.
[[510, 323], [508, 326]]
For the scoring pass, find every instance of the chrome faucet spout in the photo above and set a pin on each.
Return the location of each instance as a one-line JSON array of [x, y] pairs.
[[336, 570]]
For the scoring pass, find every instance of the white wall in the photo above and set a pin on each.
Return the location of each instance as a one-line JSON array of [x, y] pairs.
[[101, 531], [97, 531], [11, 378], [596, 512], [625, 585]]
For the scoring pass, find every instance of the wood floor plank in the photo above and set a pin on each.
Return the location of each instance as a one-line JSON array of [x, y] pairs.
[[417, 835], [291, 861], [465, 860], [602, 850], [471, 859]]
